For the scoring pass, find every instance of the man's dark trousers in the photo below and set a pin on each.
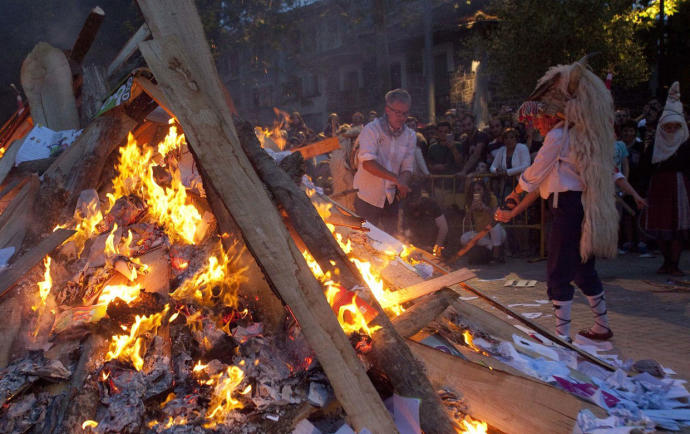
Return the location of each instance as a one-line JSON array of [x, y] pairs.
[[385, 218], [564, 264]]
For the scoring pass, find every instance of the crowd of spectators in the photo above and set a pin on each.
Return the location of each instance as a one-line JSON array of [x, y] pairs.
[[463, 171]]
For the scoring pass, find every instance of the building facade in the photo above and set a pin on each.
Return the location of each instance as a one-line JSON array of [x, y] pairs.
[[336, 55]]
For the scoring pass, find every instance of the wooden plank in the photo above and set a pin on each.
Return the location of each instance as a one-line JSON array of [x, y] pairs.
[[479, 319], [47, 81], [129, 48], [87, 35], [423, 312], [16, 217], [538, 328], [433, 285], [79, 167], [93, 92], [8, 159], [317, 148], [510, 403], [153, 91], [180, 59], [26, 262]]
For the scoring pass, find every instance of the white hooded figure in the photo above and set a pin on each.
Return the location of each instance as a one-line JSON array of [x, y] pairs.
[[668, 218]]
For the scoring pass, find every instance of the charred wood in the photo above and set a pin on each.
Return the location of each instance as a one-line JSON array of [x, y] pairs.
[[181, 61], [389, 351]]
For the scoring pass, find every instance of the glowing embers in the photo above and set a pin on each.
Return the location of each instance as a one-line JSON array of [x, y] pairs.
[[124, 292], [215, 282], [470, 426], [469, 342], [167, 203], [132, 347], [44, 286], [275, 136], [225, 384]]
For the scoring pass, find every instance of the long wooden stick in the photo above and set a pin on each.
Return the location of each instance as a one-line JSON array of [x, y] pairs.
[[24, 263], [542, 330]]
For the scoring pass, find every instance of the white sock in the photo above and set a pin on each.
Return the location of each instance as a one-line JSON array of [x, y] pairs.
[[561, 310], [598, 305]]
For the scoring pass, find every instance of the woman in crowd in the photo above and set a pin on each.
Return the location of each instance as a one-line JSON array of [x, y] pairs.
[[495, 133], [479, 214], [668, 218], [512, 158]]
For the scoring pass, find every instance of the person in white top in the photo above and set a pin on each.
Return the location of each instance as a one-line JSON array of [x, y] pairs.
[[385, 162], [572, 107], [512, 158]]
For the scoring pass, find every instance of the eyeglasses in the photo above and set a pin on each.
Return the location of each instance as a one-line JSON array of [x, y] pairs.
[[398, 112]]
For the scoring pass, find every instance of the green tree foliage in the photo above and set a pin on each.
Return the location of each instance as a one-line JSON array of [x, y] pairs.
[[532, 35]]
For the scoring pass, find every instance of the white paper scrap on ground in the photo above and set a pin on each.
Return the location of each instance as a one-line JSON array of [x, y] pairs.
[[535, 347], [468, 298], [542, 301], [523, 305], [5, 255], [667, 371], [42, 142], [531, 315]]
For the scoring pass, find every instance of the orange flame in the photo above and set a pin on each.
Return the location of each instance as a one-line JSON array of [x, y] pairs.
[[356, 321], [384, 296], [222, 401], [222, 272], [89, 424], [130, 347], [44, 286], [473, 427], [167, 205], [85, 225], [127, 293]]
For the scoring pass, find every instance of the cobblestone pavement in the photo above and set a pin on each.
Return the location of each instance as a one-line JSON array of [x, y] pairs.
[[649, 319]]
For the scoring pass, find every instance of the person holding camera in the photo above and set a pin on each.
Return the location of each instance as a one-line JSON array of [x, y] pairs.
[[479, 214]]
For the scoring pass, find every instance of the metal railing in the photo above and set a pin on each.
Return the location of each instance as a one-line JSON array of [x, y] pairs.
[[446, 190]]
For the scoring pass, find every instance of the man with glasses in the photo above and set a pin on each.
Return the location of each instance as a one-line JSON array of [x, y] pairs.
[[385, 162]]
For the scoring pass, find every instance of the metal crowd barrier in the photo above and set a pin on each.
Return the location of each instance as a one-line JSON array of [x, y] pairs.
[[446, 190]]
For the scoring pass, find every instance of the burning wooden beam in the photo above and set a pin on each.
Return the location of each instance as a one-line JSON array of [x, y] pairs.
[[423, 312], [23, 264], [87, 35], [79, 167], [389, 352], [430, 286], [14, 219], [180, 59]]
